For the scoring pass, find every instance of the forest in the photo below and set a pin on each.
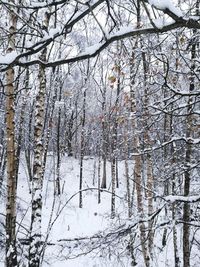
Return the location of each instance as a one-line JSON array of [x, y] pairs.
[[99, 133]]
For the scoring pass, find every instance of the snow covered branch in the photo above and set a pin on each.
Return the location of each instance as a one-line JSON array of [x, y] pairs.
[[178, 20], [90, 51], [188, 199]]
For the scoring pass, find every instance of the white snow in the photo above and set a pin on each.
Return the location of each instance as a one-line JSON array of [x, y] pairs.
[[63, 220], [95, 47], [90, 50], [123, 30], [174, 198], [53, 32], [159, 23], [8, 58], [166, 4], [59, 104]]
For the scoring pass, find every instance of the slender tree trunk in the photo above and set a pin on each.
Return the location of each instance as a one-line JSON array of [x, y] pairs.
[[104, 139], [35, 229], [117, 173], [49, 117], [166, 153], [28, 151], [137, 158], [150, 180], [82, 150], [94, 171], [138, 181], [175, 243], [113, 186], [99, 178], [21, 122], [11, 250], [186, 206], [186, 211], [35, 249], [187, 174], [69, 139], [113, 170], [127, 172], [132, 236], [58, 144], [104, 179]]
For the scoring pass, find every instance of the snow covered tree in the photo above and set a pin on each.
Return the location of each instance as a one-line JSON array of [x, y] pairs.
[[65, 87]]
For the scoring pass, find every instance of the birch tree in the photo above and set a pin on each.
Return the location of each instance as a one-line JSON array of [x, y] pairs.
[[60, 40], [35, 248], [11, 250]]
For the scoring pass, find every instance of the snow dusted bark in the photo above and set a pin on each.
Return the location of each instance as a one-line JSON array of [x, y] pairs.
[[186, 207], [113, 187], [174, 178], [104, 139], [136, 145], [99, 177], [140, 208], [150, 182], [175, 243], [82, 150], [113, 168], [35, 229], [11, 251], [147, 141], [188, 156], [138, 166], [35, 248], [128, 192], [58, 163], [114, 132], [166, 152]]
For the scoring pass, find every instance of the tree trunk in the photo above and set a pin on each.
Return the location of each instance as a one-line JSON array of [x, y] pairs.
[[58, 163], [137, 158], [113, 185], [35, 248], [21, 122], [35, 229], [99, 178], [127, 172], [11, 251], [82, 151], [147, 142], [187, 175], [104, 139]]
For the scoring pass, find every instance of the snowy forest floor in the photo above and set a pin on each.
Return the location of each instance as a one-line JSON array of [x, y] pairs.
[[71, 232]]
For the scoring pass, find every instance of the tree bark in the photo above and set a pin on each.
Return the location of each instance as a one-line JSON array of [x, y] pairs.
[[188, 154], [37, 182], [11, 250], [35, 249], [147, 142], [104, 139], [82, 151]]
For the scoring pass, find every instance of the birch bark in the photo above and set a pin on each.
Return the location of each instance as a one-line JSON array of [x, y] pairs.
[[11, 251], [35, 249]]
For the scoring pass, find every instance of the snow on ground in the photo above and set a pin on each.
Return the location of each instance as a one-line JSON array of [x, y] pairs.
[[62, 218]]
